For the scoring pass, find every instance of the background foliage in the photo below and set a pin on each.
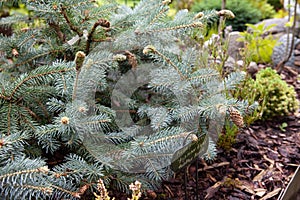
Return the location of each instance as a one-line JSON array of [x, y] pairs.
[[258, 45], [246, 11]]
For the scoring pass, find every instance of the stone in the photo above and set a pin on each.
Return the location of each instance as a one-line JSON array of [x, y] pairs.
[[234, 46], [229, 66], [298, 46], [279, 51], [240, 63], [230, 62], [297, 58], [296, 52], [261, 66], [252, 68], [297, 63], [280, 27]]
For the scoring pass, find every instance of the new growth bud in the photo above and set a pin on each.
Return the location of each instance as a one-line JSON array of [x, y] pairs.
[[64, 120], [119, 57], [226, 13], [199, 15], [197, 24], [166, 2], [44, 169], [194, 137], [79, 59], [148, 49]]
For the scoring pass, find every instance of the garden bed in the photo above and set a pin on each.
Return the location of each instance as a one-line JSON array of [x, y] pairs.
[[259, 165]]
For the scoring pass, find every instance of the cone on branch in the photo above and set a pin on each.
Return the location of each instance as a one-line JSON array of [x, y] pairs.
[[236, 117]]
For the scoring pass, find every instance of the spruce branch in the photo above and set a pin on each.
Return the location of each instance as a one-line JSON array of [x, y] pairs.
[[46, 130], [27, 122], [16, 141], [16, 95], [47, 190], [32, 77], [30, 112], [79, 59], [167, 138], [179, 27], [28, 38], [74, 28], [158, 16], [152, 49], [101, 22], [72, 193], [58, 86], [95, 122], [43, 169], [58, 31], [44, 109], [203, 75], [9, 118], [42, 54]]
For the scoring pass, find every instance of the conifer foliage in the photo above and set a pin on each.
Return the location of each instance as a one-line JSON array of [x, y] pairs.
[[92, 91]]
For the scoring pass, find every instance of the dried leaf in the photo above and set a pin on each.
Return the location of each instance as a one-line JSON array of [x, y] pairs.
[[260, 176], [246, 186], [268, 159], [212, 190], [271, 194], [257, 167], [260, 192]]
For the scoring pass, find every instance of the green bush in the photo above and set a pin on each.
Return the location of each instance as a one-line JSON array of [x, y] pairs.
[[266, 9], [245, 11], [228, 136], [276, 4], [258, 48], [274, 95]]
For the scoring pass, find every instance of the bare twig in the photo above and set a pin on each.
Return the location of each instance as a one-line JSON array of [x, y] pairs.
[[221, 19], [71, 25], [101, 22], [58, 31]]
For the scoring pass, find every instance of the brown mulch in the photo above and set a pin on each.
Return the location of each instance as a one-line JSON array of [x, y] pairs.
[[259, 165]]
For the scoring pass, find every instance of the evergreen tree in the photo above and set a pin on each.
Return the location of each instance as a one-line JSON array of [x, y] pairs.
[[93, 91]]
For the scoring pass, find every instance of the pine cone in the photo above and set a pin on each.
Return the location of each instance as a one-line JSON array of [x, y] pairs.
[[236, 117]]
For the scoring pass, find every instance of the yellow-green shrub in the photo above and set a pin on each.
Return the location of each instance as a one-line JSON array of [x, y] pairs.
[[274, 95], [258, 46]]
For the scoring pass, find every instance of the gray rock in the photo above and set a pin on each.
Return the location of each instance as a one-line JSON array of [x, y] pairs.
[[252, 68], [234, 46], [279, 28], [229, 66], [280, 51], [230, 62]]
